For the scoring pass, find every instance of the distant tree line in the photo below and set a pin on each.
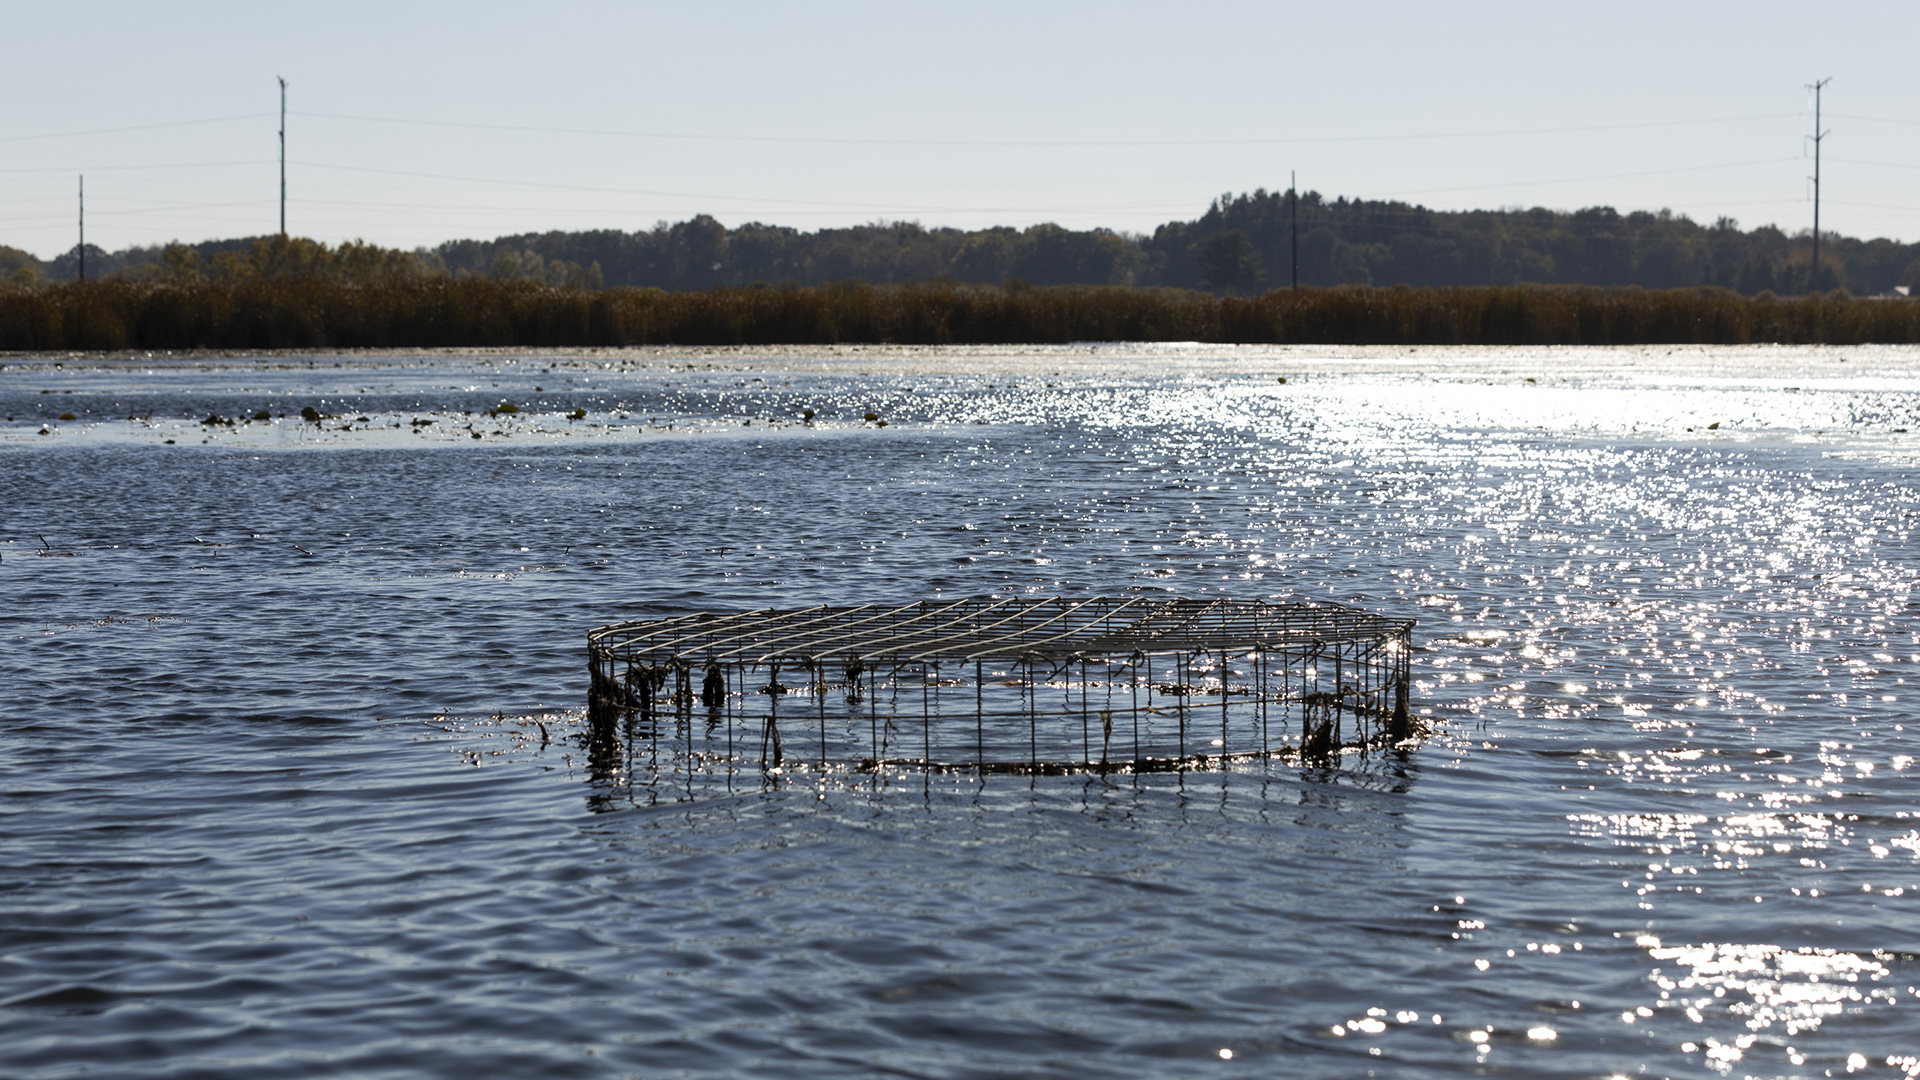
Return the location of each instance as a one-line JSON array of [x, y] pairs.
[[1242, 245], [1356, 242]]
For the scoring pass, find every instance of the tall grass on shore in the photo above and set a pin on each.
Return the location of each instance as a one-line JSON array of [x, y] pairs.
[[308, 313]]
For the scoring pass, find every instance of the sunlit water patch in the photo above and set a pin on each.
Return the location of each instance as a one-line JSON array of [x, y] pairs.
[[298, 781]]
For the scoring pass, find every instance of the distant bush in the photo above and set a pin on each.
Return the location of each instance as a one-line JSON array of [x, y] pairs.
[[306, 312]]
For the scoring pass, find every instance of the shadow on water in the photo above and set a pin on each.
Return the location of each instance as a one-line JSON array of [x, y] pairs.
[[927, 903]]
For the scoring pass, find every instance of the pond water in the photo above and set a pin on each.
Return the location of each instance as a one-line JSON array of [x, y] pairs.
[[294, 767]]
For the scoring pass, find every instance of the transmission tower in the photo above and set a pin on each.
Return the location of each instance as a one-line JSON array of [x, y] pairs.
[[1814, 285], [283, 156]]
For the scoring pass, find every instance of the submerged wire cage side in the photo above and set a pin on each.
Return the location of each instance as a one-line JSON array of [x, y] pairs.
[[999, 685]]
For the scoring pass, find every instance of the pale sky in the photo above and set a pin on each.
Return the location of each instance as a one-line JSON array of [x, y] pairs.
[[414, 123]]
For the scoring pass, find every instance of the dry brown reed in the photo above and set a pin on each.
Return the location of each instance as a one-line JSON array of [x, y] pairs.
[[307, 313]]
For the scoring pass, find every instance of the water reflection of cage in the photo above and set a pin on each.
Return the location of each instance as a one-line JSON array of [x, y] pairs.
[[1141, 684]]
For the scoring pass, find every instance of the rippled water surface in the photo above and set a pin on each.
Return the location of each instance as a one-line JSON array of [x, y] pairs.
[[295, 780]]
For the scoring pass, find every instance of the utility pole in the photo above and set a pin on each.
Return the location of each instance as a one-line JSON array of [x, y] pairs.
[[1293, 216], [1814, 285], [83, 227], [283, 156]]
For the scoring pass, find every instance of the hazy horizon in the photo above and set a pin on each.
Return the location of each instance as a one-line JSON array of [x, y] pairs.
[[412, 126]]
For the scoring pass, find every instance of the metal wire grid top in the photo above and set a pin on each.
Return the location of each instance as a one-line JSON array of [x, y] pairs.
[[985, 628]]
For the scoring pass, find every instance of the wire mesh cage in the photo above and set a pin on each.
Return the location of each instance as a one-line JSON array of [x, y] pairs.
[[993, 685]]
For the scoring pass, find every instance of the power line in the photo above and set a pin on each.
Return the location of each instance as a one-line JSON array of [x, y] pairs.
[[836, 204], [178, 207], [842, 204], [124, 168], [145, 211], [1877, 206], [841, 140], [1601, 176], [133, 127], [1877, 164], [1037, 143], [1875, 119]]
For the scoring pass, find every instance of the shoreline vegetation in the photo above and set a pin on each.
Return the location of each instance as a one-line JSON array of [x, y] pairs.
[[298, 312]]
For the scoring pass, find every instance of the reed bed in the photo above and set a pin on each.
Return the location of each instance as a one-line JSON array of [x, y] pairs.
[[311, 313]]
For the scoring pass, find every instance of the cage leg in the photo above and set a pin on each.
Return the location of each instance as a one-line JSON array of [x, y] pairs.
[[605, 696], [819, 676], [770, 739], [640, 710], [1032, 694], [1260, 686], [1133, 678], [1319, 746], [1225, 696], [1402, 727], [1180, 706], [604, 702], [979, 718], [1339, 690], [1086, 739]]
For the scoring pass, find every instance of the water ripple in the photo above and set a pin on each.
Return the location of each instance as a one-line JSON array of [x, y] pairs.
[[295, 777]]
